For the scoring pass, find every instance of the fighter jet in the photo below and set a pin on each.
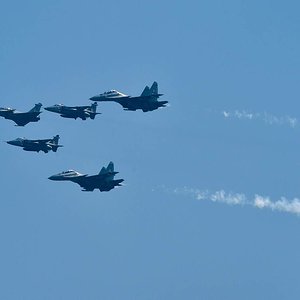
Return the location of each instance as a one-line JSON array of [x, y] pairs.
[[147, 101], [104, 181], [37, 145], [74, 112], [21, 118]]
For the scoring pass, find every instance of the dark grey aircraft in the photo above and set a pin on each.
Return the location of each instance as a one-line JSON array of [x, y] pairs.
[[37, 145], [21, 118], [147, 101], [74, 112], [104, 181]]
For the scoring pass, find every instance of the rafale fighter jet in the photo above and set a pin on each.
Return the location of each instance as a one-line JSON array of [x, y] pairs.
[[74, 112], [147, 101], [37, 145], [104, 181], [21, 118]]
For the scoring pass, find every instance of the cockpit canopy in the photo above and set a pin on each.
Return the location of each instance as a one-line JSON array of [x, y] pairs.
[[6, 109], [68, 172], [113, 93]]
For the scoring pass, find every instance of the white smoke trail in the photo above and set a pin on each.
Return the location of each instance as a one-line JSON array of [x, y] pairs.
[[258, 201], [265, 117]]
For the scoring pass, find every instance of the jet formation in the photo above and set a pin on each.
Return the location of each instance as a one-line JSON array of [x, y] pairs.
[[45, 145], [147, 101], [21, 118], [104, 181], [74, 112]]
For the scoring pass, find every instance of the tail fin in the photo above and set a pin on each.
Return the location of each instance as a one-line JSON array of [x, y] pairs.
[[146, 91], [56, 139], [103, 171], [93, 110], [36, 108], [108, 170], [55, 145], [154, 88], [94, 107]]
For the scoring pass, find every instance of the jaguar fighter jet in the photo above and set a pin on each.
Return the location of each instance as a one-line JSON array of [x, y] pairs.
[[37, 145], [147, 101], [104, 181], [21, 118], [74, 112]]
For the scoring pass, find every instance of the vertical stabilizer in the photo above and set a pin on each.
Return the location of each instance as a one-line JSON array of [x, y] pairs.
[[110, 167], [146, 92], [154, 88], [55, 145], [36, 108], [103, 171], [56, 139], [108, 172], [94, 107]]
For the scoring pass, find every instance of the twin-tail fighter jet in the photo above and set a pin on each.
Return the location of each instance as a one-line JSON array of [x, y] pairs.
[[74, 112], [37, 145], [21, 118], [104, 181], [147, 101]]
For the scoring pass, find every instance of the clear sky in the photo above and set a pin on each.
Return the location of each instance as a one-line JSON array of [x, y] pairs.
[[210, 209]]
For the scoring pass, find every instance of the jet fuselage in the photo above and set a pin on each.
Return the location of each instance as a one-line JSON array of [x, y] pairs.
[[147, 101], [22, 118], [74, 112], [37, 145], [104, 181]]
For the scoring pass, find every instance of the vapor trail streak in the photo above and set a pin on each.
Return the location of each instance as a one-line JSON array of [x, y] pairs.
[[267, 118], [257, 201]]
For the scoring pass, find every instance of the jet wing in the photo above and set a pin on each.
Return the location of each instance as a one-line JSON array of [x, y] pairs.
[[89, 183], [28, 114], [20, 120]]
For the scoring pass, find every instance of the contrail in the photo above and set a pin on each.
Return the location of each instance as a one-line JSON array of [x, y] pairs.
[[265, 117], [257, 201]]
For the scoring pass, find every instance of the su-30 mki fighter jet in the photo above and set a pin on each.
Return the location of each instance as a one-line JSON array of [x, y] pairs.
[[74, 112], [147, 101], [104, 181], [37, 145], [21, 118]]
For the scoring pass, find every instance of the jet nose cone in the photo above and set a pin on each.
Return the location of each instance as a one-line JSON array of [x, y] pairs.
[[49, 108], [14, 143], [94, 98], [53, 177]]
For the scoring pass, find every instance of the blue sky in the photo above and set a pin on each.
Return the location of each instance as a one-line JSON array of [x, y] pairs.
[[210, 206]]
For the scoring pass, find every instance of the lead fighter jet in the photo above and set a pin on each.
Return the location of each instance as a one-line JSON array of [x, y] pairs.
[[74, 112], [147, 101], [37, 145], [104, 181], [21, 118]]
